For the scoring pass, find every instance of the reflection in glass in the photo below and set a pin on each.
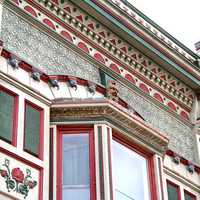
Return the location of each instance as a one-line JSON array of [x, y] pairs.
[[129, 174], [76, 178]]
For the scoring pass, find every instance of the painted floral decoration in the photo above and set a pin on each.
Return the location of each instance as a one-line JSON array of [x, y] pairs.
[[16, 180]]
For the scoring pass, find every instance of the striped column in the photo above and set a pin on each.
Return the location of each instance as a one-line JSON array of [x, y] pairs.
[[103, 162]]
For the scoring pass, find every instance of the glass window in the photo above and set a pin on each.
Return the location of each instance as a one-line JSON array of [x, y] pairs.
[[7, 106], [32, 129], [130, 177], [173, 191], [76, 170], [189, 196]]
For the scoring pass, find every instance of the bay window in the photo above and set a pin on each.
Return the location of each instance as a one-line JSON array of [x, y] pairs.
[[130, 173]]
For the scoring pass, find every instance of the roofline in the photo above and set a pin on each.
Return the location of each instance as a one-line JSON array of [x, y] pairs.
[[150, 21]]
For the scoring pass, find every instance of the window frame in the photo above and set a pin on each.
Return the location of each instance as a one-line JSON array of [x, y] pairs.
[[176, 186], [14, 116], [41, 134], [61, 130], [127, 142], [190, 194]]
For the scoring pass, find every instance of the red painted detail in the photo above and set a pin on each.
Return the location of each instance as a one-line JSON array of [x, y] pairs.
[[182, 90], [51, 163], [55, 1], [113, 41], [99, 57], [158, 97], [173, 83], [124, 49], [41, 144], [16, 1], [74, 129], [144, 63], [144, 88], [15, 114], [80, 18], [66, 35], [154, 70], [102, 34], [115, 68], [67, 9], [134, 56], [163, 77], [49, 23], [30, 10], [91, 25], [130, 78], [184, 115], [83, 46], [172, 106]]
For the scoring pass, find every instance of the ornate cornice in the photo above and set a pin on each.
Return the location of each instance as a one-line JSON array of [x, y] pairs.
[[138, 70], [108, 110]]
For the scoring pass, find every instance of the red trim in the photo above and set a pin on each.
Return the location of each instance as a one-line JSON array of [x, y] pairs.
[[182, 160], [146, 154], [177, 188], [41, 142], [76, 129], [31, 164], [51, 167], [190, 194], [15, 115]]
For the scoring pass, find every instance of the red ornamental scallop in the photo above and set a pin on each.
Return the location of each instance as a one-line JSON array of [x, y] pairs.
[[30, 10], [83, 46], [184, 115], [99, 57], [130, 78], [158, 97], [115, 68], [144, 88], [67, 36], [172, 106], [49, 23]]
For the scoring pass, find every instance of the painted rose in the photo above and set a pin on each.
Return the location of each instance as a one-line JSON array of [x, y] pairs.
[[4, 173], [18, 175]]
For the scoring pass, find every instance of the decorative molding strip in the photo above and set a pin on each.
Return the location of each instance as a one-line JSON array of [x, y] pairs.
[[107, 109], [182, 107]]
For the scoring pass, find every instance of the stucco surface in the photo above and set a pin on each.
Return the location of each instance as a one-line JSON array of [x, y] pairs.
[[45, 53]]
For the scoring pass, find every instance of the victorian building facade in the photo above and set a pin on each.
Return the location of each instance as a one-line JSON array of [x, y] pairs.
[[97, 102]]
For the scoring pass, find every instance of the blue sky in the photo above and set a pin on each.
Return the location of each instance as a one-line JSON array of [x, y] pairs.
[[180, 18]]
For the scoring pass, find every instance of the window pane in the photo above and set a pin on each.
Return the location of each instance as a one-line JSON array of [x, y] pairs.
[[76, 177], [189, 197], [129, 174], [6, 115], [32, 130], [172, 191]]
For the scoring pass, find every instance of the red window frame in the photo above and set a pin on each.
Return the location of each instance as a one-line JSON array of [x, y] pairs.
[[15, 115], [41, 142], [76, 130], [144, 153], [190, 194], [175, 186]]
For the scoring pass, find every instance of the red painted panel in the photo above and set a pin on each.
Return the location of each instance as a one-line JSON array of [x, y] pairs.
[[172, 105], [130, 78], [158, 97], [30, 10], [144, 88], [66, 35], [49, 23], [83, 46], [99, 57], [115, 68], [184, 115]]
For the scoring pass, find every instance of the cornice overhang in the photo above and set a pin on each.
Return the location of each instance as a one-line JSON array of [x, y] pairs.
[[107, 110], [178, 66]]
